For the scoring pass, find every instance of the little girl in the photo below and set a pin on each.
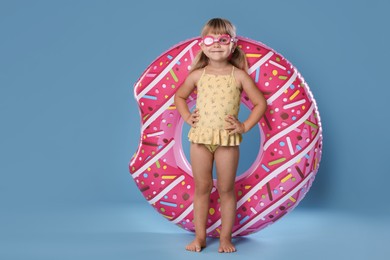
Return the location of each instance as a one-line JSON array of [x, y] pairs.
[[219, 74]]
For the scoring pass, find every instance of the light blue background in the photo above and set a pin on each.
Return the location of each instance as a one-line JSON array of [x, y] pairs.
[[70, 124]]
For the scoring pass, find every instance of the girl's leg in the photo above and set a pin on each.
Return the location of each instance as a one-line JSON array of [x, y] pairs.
[[202, 167], [226, 159]]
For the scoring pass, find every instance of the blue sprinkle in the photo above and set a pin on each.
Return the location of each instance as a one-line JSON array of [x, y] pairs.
[[150, 97], [165, 197], [239, 215], [292, 86], [288, 72], [276, 191], [282, 144], [170, 57], [257, 75], [294, 118], [265, 168], [168, 204], [145, 175], [244, 219]]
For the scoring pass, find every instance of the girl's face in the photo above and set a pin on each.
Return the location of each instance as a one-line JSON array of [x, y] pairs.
[[217, 47]]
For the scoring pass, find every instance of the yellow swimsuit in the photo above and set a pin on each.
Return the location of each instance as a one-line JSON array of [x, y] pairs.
[[218, 96]]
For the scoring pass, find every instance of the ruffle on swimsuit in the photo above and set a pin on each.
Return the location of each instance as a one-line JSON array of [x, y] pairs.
[[213, 136]]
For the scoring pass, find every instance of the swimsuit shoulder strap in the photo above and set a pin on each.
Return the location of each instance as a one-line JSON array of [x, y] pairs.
[[204, 71], [201, 76]]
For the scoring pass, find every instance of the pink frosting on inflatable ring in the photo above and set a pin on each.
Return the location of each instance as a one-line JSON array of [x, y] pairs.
[[288, 158]]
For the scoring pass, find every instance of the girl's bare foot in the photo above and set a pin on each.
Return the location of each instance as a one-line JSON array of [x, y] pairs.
[[197, 245], [226, 246]]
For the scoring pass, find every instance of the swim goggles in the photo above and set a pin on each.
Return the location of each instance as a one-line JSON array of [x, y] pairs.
[[224, 39]]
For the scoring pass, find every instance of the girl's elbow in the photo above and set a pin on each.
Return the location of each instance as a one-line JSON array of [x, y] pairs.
[[264, 103], [176, 98]]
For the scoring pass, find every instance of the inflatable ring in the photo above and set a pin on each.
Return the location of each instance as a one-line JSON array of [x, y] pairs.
[[284, 169]]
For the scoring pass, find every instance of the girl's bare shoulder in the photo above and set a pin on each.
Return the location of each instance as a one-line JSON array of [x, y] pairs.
[[241, 75], [195, 75], [239, 72]]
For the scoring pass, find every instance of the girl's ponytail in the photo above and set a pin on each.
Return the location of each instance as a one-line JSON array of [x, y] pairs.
[[238, 59]]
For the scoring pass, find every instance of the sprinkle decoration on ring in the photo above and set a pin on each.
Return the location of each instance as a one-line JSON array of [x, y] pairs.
[[288, 158]]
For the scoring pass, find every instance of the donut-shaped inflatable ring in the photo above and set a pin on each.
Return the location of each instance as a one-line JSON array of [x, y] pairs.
[[290, 149]]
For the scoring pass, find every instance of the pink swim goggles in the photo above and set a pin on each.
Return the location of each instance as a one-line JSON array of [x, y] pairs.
[[224, 39]]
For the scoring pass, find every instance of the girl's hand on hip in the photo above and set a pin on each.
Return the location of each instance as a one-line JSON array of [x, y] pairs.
[[234, 125], [193, 118]]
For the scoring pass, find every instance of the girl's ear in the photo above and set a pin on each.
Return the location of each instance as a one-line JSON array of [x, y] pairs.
[[201, 46]]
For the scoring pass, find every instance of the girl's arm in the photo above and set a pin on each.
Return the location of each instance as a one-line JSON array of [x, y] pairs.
[[181, 99], [257, 99]]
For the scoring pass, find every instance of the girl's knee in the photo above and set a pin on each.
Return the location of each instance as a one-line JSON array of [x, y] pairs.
[[204, 187], [225, 190]]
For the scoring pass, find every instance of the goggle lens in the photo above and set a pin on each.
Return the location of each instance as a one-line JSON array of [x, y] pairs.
[[224, 39]]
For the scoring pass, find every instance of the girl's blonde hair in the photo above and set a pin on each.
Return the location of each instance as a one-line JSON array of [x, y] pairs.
[[220, 26]]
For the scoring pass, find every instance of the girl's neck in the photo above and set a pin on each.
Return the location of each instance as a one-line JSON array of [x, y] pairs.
[[219, 67]]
